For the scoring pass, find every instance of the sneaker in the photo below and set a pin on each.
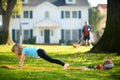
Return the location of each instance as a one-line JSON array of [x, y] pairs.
[[66, 66]]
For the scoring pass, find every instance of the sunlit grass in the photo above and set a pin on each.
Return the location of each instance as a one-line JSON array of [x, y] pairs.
[[75, 57], [53, 48]]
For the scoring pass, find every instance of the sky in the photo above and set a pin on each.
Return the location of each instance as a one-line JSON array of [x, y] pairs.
[[96, 2]]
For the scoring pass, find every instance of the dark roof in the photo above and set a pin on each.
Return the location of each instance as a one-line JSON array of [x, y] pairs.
[[57, 2]]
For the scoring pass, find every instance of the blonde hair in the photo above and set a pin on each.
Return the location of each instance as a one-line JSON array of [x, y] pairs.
[[17, 49]]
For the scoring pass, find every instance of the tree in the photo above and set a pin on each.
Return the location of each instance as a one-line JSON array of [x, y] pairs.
[[110, 40], [95, 19], [6, 8]]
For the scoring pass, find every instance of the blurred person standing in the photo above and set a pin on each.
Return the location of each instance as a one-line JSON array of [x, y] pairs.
[[86, 34]]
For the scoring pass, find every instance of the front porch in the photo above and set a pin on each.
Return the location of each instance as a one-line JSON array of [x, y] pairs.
[[47, 32]]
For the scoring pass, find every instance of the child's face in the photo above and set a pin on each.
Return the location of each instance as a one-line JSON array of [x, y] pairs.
[[16, 52]]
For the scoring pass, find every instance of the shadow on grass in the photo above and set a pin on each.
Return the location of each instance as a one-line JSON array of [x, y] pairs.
[[116, 75]]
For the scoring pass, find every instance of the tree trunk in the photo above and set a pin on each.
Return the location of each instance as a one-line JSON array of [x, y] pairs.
[[6, 15], [6, 39], [110, 41], [9, 38], [4, 30]]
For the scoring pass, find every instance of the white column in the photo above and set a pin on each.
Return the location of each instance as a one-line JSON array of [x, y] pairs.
[[20, 32]]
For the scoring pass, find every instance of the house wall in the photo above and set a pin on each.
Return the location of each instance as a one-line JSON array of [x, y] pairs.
[[55, 16], [72, 23], [39, 13]]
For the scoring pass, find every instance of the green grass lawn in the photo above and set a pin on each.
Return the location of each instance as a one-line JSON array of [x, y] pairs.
[[67, 54]]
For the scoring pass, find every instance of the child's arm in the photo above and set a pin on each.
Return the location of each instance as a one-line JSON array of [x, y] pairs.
[[21, 62]]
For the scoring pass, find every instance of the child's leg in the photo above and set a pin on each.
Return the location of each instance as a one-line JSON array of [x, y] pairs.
[[43, 55]]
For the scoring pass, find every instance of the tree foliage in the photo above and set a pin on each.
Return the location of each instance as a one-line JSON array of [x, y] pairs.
[[95, 19], [18, 8]]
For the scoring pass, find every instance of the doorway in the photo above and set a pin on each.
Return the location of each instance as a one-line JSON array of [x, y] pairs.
[[47, 36]]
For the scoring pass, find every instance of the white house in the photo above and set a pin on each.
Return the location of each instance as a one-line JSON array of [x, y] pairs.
[[50, 21]]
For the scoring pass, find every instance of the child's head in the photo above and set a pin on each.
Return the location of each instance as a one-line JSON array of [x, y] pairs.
[[17, 49]]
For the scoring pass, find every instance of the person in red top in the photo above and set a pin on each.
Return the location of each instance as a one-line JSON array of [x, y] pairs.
[[86, 33]]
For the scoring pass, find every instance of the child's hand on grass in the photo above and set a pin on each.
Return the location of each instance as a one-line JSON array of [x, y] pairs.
[[19, 67]]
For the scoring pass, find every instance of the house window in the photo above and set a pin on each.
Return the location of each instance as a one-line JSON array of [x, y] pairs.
[[67, 35], [70, 1], [46, 14], [26, 34], [67, 14], [80, 33], [75, 35], [28, 14], [74, 14], [70, 35]]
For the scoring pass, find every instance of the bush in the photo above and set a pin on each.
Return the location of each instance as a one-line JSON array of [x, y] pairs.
[[61, 41], [30, 41], [69, 42]]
